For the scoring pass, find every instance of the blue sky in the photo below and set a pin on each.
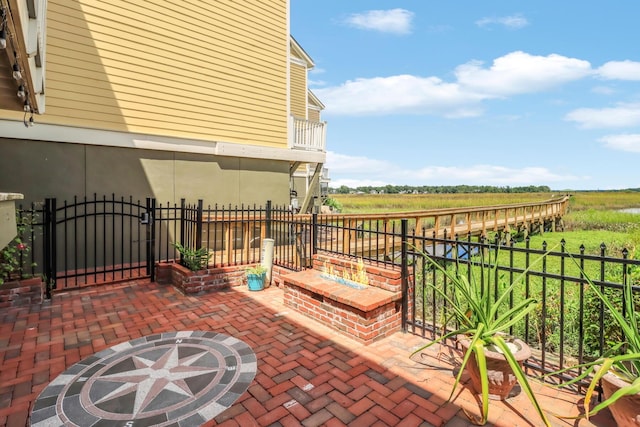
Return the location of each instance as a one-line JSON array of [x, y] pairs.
[[504, 93]]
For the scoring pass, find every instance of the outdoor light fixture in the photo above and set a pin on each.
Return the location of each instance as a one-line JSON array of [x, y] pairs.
[[28, 110], [3, 31], [16, 71], [30, 122], [21, 93]]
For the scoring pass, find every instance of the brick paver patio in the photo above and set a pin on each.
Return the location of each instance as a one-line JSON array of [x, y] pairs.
[[306, 375]]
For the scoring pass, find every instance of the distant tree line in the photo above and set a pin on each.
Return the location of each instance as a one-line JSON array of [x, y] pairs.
[[438, 189]]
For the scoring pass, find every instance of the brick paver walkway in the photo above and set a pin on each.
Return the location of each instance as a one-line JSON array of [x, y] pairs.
[[307, 374]]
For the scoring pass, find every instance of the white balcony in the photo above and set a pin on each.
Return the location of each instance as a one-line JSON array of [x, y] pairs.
[[307, 135]]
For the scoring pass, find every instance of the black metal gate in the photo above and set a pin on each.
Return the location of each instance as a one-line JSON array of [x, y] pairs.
[[96, 241]]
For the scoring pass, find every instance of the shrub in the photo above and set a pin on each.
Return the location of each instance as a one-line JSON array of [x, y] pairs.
[[14, 256]]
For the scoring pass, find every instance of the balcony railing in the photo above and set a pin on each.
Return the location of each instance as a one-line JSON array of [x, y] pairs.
[[307, 135]]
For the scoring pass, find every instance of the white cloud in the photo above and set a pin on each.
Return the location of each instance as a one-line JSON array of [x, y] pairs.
[[355, 171], [519, 72], [396, 21], [623, 142], [491, 175], [398, 94], [354, 164], [512, 74], [620, 70], [511, 22], [624, 115]]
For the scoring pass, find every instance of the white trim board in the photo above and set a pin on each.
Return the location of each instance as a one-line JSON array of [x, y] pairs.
[[73, 135]]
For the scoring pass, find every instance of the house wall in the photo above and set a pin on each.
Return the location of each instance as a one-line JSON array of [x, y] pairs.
[[41, 169], [212, 71], [313, 115], [162, 98], [298, 90]]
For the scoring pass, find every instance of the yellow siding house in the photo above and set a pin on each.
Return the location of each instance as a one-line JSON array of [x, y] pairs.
[[157, 99]]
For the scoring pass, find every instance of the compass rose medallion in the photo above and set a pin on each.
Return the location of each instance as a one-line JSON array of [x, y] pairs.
[[185, 377]]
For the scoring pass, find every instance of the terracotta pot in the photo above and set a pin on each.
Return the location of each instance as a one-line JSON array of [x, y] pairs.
[[500, 375], [626, 410]]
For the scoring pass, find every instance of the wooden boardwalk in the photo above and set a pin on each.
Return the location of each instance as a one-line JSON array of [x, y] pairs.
[[368, 234], [237, 240]]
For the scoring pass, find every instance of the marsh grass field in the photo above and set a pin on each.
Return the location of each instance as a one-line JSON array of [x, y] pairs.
[[372, 203], [594, 217]]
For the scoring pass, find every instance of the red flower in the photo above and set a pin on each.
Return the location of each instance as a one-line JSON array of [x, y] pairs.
[[21, 246]]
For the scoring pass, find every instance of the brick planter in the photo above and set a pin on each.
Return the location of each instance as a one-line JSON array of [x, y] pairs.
[[379, 277], [364, 314], [22, 292], [199, 282]]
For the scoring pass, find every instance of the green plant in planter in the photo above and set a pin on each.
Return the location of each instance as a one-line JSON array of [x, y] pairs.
[[481, 311], [193, 259], [257, 269], [621, 364]]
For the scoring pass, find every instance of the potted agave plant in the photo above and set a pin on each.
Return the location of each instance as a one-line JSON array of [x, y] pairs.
[[193, 259], [482, 315], [619, 370]]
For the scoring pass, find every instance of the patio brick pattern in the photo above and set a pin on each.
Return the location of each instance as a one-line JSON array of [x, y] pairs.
[[308, 375]]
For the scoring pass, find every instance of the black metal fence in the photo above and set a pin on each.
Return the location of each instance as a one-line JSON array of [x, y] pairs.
[[234, 235], [570, 324], [86, 241], [95, 240], [103, 239]]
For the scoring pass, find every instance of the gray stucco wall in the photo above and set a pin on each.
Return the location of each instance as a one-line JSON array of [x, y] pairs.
[[40, 169]]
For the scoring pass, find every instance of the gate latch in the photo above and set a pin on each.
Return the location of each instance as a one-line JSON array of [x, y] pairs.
[[145, 218]]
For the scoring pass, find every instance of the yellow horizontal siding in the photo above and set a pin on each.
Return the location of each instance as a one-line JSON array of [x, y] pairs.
[[82, 90], [156, 86], [313, 115], [200, 119], [212, 71], [146, 56], [298, 91], [124, 32], [154, 126]]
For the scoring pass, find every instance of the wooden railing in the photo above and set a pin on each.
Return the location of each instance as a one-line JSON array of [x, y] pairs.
[[475, 220]]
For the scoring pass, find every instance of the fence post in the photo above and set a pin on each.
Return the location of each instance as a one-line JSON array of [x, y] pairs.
[[404, 272], [46, 245], [182, 225], [268, 219], [314, 235], [199, 226], [49, 243], [151, 238]]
